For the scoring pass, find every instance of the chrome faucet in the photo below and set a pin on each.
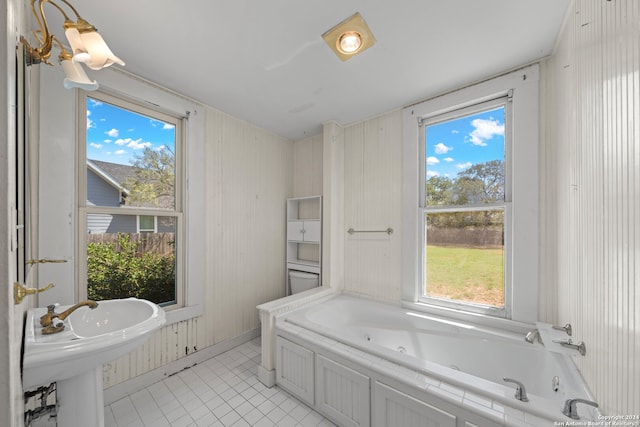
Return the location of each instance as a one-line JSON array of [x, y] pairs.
[[570, 409], [46, 320], [521, 393], [566, 328], [581, 347], [532, 336]]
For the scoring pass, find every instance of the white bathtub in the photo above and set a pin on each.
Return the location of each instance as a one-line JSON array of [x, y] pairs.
[[453, 356]]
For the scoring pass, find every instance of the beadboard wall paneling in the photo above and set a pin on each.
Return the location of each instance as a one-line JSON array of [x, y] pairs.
[[307, 167], [372, 201], [593, 154], [249, 175], [307, 181]]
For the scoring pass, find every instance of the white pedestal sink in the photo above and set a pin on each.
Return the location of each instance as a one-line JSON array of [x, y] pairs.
[[74, 357]]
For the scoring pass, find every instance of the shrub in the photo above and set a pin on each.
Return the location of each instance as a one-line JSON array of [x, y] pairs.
[[120, 270]]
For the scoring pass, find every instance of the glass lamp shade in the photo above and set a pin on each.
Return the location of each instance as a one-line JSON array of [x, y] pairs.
[[78, 49], [76, 77], [99, 53]]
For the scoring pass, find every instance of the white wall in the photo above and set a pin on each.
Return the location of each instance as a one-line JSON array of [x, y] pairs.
[[592, 198], [307, 166], [372, 201]]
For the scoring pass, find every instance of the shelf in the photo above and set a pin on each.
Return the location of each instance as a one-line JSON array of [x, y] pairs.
[[304, 262], [304, 235]]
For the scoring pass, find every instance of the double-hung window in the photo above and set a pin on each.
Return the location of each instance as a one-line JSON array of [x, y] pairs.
[[470, 200], [131, 207], [465, 206]]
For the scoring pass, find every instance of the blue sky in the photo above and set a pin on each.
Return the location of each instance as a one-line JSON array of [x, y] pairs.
[[116, 135], [457, 144]]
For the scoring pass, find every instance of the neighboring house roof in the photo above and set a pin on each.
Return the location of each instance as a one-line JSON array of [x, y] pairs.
[[117, 174], [112, 173]]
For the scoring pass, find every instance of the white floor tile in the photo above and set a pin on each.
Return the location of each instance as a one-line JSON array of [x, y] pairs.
[[220, 392]]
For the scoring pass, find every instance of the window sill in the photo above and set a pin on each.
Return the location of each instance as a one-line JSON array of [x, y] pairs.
[[184, 313], [469, 317]]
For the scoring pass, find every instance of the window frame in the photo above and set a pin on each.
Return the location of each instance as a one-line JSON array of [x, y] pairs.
[[85, 209], [121, 84], [427, 120], [521, 217], [147, 230]]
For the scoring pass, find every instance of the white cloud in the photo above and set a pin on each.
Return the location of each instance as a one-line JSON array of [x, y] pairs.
[[94, 145], [136, 144], [89, 121], [431, 174], [485, 129], [431, 160], [121, 152], [168, 126], [463, 166], [448, 159], [95, 102], [442, 149], [113, 133], [455, 131]]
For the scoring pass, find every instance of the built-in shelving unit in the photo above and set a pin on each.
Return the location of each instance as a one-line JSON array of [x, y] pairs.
[[304, 235]]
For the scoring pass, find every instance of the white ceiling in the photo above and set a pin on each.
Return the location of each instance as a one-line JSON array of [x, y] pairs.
[[265, 61]]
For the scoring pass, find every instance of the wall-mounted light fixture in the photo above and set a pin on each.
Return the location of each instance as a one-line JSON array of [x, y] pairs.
[[349, 37], [87, 46]]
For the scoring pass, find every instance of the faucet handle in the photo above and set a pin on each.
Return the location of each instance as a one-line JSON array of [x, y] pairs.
[[571, 410], [47, 319], [521, 393], [566, 328]]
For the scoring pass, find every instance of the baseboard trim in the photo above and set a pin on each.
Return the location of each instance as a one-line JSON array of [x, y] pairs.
[[125, 388], [268, 378]]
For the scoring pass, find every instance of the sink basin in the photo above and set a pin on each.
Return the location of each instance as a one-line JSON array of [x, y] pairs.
[[91, 337]]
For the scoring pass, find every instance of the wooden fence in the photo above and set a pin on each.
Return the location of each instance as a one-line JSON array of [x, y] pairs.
[[465, 237], [160, 243]]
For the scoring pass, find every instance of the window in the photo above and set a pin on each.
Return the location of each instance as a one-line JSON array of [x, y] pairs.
[[464, 206], [470, 201], [147, 224], [132, 211]]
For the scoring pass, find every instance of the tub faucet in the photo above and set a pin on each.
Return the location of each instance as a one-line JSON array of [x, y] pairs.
[[532, 336], [521, 393], [581, 347], [570, 409], [47, 319]]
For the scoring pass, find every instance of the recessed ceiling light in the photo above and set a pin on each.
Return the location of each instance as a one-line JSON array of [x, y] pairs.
[[350, 42], [349, 37]]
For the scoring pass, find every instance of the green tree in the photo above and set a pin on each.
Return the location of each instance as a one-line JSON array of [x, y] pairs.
[[478, 184], [439, 191], [481, 183], [153, 180]]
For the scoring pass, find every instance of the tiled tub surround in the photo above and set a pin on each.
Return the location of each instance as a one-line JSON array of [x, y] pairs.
[[362, 362]]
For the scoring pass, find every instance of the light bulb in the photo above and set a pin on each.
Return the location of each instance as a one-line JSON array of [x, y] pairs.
[[350, 42]]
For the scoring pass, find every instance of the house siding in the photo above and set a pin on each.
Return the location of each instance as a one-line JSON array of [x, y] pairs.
[[100, 193]]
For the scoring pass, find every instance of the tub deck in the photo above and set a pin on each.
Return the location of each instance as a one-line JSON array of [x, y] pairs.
[[434, 358]]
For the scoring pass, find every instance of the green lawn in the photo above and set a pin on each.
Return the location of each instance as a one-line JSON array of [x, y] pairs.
[[468, 274]]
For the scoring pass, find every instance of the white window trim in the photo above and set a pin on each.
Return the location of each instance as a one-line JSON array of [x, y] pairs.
[[522, 87], [155, 224], [424, 122], [122, 84]]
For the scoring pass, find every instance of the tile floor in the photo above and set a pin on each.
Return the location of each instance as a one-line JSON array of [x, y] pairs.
[[223, 391]]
